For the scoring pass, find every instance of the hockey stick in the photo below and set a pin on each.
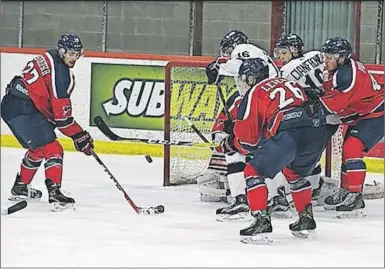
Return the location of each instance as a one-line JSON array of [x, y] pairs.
[[222, 97], [102, 126], [16, 207], [140, 210]]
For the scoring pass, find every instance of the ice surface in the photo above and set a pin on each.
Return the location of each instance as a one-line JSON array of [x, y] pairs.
[[105, 231]]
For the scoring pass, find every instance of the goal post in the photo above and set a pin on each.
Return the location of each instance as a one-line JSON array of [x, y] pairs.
[[187, 94]]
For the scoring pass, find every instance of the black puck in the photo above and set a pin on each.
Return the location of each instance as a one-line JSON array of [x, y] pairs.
[[148, 158]]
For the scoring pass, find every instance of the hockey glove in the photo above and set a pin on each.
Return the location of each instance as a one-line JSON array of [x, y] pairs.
[[212, 72], [83, 142], [227, 144], [313, 93]]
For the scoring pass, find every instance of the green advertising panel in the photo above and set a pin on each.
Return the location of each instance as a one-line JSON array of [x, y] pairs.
[[132, 96]]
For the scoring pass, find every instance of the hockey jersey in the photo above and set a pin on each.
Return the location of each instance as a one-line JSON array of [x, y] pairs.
[[353, 94], [245, 51], [257, 115], [49, 83], [307, 71]]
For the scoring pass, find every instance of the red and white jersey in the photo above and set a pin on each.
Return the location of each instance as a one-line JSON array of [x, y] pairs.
[[261, 105], [353, 94], [50, 83]]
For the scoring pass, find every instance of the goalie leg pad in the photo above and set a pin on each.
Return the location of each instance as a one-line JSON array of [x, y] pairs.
[[236, 166]]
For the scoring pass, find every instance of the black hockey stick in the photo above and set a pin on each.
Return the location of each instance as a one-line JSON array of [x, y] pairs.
[[204, 139], [140, 210], [102, 126], [223, 99], [16, 207]]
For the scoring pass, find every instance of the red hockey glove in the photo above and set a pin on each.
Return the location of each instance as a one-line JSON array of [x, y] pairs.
[[83, 142]]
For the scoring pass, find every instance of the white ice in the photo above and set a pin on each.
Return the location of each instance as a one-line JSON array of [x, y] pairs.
[[105, 231]]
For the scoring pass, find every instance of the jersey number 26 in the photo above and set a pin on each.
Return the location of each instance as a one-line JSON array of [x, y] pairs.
[[283, 101]]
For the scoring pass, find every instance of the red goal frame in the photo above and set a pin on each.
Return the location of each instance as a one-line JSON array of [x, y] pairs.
[[167, 100]]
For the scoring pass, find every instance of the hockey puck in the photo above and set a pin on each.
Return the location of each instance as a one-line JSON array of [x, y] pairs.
[[148, 158], [160, 209]]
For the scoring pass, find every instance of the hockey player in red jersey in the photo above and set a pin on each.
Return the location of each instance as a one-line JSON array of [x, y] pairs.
[[235, 47], [36, 103], [353, 94], [276, 125]]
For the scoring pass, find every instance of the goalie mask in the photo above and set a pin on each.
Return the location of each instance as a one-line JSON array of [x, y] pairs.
[[251, 72], [231, 40], [288, 47], [70, 49], [336, 51]]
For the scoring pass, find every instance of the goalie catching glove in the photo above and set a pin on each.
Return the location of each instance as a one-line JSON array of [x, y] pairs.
[[83, 142]]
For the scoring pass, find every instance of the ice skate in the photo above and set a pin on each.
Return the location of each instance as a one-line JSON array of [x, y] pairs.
[[336, 199], [278, 206], [259, 231], [57, 199], [237, 211], [305, 226], [21, 191], [352, 206]]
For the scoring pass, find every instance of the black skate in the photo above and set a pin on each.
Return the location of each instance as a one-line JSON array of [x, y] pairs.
[[21, 191], [278, 206], [305, 226], [57, 199], [352, 206], [336, 199], [239, 210], [259, 230]]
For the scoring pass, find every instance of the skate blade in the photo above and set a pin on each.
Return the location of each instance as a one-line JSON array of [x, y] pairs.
[[258, 239], [60, 207], [305, 234], [240, 217], [355, 214], [282, 214]]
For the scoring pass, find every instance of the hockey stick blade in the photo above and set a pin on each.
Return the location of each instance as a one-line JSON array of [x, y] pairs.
[[16, 207], [102, 126], [151, 210]]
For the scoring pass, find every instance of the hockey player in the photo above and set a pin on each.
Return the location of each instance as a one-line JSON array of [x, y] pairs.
[[35, 103], [354, 95], [275, 126], [307, 70], [235, 48]]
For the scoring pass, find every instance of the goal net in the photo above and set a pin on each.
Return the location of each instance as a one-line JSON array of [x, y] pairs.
[[187, 94]]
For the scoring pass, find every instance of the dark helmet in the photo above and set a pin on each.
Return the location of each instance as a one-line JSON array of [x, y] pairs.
[[232, 38], [338, 45], [292, 42], [255, 68], [69, 42]]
